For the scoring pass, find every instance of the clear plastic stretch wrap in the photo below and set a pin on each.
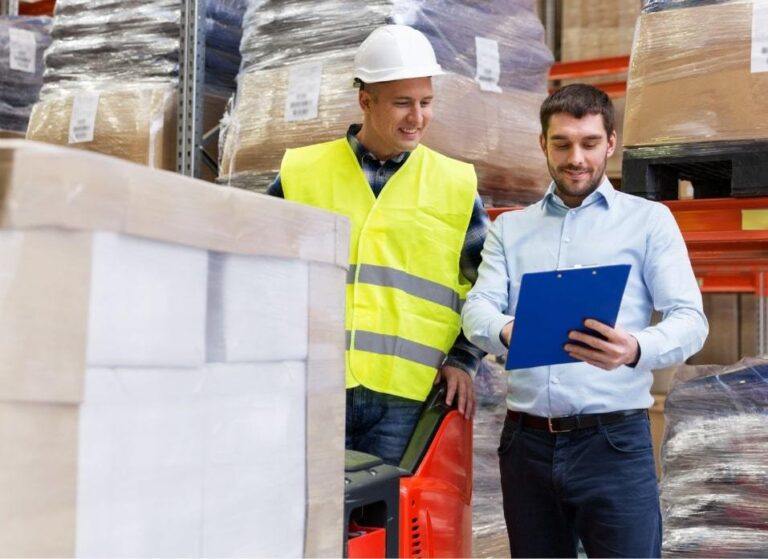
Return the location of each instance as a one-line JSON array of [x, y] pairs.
[[497, 132], [659, 5], [715, 485], [135, 122], [489, 531], [128, 54], [171, 364], [279, 32], [21, 73], [99, 43], [690, 82]]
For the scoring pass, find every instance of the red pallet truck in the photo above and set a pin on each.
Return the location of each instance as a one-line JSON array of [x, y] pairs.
[[422, 508]]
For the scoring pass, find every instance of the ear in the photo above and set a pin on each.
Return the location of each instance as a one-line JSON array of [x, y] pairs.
[[612, 143], [543, 143], [364, 99]]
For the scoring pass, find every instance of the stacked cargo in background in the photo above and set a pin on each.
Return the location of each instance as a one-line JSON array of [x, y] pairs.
[[128, 53], [715, 486], [497, 132], [22, 43], [593, 29], [172, 371], [696, 106], [489, 531]]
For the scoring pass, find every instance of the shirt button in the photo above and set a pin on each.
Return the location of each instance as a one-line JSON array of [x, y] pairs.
[[555, 380], [567, 239]]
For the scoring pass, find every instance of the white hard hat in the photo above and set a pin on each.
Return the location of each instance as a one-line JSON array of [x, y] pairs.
[[395, 52]]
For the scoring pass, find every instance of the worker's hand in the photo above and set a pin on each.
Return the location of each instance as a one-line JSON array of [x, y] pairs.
[[619, 348], [459, 383], [506, 333]]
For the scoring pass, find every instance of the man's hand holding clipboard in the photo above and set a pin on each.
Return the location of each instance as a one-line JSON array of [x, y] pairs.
[[566, 316]]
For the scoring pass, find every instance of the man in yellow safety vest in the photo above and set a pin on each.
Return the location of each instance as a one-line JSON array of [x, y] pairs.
[[418, 227]]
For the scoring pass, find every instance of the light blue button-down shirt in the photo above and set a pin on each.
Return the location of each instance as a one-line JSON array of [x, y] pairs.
[[609, 227]]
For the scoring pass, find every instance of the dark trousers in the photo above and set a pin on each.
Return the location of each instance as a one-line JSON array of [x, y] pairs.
[[380, 424], [597, 484]]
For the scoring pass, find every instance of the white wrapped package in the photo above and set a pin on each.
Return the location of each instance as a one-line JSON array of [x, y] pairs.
[[166, 453], [241, 291], [143, 455], [147, 304]]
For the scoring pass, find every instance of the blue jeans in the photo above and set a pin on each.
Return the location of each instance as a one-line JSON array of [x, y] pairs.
[[597, 484], [380, 424]]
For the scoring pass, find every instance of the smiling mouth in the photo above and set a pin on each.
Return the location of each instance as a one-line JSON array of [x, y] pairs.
[[409, 131], [576, 174]]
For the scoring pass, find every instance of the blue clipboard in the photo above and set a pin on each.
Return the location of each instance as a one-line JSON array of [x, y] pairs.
[[551, 304]]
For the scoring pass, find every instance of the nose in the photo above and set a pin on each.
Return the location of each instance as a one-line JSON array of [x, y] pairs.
[[576, 156], [415, 115]]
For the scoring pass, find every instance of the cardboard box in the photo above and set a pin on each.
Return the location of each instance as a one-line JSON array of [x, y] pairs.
[[118, 443], [597, 29], [136, 123], [690, 78]]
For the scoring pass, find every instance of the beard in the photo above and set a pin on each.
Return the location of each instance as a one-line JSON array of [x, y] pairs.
[[596, 178]]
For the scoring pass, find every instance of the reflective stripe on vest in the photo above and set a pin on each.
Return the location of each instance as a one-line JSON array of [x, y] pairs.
[[404, 287]]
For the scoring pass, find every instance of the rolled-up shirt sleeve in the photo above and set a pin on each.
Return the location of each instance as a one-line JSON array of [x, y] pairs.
[[675, 293], [484, 313]]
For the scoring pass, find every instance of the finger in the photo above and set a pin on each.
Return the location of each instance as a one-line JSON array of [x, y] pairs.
[[471, 402], [583, 354], [602, 366], [603, 329], [451, 390], [605, 365], [462, 398], [591, 341]]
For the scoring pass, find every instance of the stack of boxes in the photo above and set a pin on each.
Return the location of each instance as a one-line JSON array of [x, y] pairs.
[[111, 76], [695, 83], [172, 379]]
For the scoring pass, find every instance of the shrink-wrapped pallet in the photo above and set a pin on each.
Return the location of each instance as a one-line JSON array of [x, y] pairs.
[[690, 82], [715, 468], [497, 131], [489, 531], [22, 43], [152, 404], [128, 55]]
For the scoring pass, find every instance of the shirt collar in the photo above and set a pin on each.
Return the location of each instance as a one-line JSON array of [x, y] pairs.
[[361, 151], [605, 192]]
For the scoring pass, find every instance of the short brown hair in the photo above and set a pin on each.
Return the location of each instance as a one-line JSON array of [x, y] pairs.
[[578, 100]]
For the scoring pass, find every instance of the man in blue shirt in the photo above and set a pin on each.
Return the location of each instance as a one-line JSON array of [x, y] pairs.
[[575, 454]]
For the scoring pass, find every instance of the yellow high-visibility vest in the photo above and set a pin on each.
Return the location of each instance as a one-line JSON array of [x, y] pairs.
[[404, 288]]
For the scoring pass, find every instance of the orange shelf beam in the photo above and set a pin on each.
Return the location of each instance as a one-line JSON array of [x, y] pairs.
[[589, 68]]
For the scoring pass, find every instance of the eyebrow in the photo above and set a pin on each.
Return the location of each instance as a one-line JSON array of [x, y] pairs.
[[405, 98], [558, 137]]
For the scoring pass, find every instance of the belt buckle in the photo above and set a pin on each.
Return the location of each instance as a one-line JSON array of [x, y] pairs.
[[552, 430]]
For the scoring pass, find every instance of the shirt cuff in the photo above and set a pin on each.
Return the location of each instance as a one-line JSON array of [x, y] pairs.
[[463, 360], [648, 351], [494, 333]]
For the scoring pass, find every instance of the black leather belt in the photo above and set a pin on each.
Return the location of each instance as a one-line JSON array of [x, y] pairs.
[[572, 422]]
